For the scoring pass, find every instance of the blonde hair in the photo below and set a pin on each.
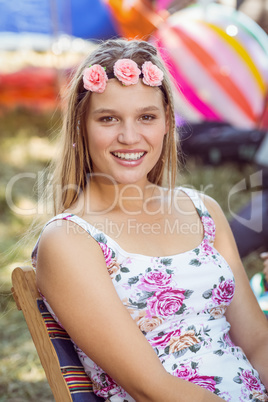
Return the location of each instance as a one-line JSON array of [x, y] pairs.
[[73, 167]]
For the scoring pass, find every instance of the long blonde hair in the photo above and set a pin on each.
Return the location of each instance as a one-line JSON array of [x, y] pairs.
[[73, 166]]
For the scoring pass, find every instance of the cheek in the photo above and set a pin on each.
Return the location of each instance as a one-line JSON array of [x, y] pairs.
[[161, 133], [158, 141], [96, 138], [96, 147]]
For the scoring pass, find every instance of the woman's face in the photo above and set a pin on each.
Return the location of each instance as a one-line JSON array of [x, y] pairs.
[[126, 126]]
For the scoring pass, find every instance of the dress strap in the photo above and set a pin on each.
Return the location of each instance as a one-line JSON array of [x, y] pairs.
[[206, 219]]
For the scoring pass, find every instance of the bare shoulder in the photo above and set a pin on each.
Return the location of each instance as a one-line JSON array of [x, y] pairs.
[[64, 245], [224, 239], [65, 234], [213, 207], [216, 213]]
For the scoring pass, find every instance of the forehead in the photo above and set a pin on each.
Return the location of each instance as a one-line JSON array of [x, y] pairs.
[[137, 95]]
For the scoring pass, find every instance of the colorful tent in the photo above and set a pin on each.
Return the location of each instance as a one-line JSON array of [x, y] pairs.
[[87, 19]]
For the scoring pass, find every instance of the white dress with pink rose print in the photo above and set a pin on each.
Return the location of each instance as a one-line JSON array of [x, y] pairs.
[[178, 302]]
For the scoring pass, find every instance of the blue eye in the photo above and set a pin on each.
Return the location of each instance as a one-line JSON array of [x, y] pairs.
[[107, 119], [147, 117]]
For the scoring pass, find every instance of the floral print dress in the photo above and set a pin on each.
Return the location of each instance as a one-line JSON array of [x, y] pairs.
[[178, 302]]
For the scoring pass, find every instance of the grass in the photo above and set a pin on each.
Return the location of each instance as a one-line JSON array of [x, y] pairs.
[[25, 148], [27, 144]]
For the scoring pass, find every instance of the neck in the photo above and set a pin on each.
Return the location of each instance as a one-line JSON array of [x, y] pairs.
[[108, 196]]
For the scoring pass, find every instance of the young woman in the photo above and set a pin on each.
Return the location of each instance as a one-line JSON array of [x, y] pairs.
[[145, 278]]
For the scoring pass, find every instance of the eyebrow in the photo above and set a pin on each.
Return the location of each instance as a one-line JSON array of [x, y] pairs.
[[148, 109], [139, 110]]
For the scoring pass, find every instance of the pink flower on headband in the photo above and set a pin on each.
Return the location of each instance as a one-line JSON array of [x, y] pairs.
[[152, 75], [127, 71], [95, 78]]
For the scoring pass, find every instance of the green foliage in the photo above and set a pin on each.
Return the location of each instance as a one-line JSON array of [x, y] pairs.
[[24, 137]]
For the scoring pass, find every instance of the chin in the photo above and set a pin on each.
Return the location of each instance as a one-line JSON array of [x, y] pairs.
[[130, 180]]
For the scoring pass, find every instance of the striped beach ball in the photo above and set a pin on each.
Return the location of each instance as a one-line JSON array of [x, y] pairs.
[[218, 58]]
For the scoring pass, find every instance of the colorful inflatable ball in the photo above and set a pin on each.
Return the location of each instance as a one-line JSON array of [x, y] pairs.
[[218, 58]]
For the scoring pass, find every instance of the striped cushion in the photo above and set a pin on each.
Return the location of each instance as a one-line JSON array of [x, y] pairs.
[[79, 384]]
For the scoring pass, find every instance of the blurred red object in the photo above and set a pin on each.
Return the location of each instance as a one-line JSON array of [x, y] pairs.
[[31, 87]]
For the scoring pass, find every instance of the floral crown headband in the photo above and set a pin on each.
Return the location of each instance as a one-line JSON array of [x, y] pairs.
[[126, 71]]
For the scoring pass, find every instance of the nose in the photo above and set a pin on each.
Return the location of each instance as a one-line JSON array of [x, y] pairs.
[[129, 133]]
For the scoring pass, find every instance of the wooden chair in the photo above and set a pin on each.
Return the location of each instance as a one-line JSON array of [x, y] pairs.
[[63, 369]]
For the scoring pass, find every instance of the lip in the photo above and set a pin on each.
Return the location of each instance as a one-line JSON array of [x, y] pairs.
[[129, 151], [128, 163]]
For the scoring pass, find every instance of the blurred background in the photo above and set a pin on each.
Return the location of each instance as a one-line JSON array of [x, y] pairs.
[[217, 56]]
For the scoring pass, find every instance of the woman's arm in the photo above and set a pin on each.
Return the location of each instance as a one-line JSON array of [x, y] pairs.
[[249, 326], [72, 275]]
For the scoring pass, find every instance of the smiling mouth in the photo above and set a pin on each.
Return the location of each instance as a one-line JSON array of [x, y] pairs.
[[129, 156]]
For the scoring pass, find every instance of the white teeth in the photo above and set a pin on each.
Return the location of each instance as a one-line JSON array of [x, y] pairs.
[[129, 156]]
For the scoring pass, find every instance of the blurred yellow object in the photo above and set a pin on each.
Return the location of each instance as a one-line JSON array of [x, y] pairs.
[[136, 19]]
